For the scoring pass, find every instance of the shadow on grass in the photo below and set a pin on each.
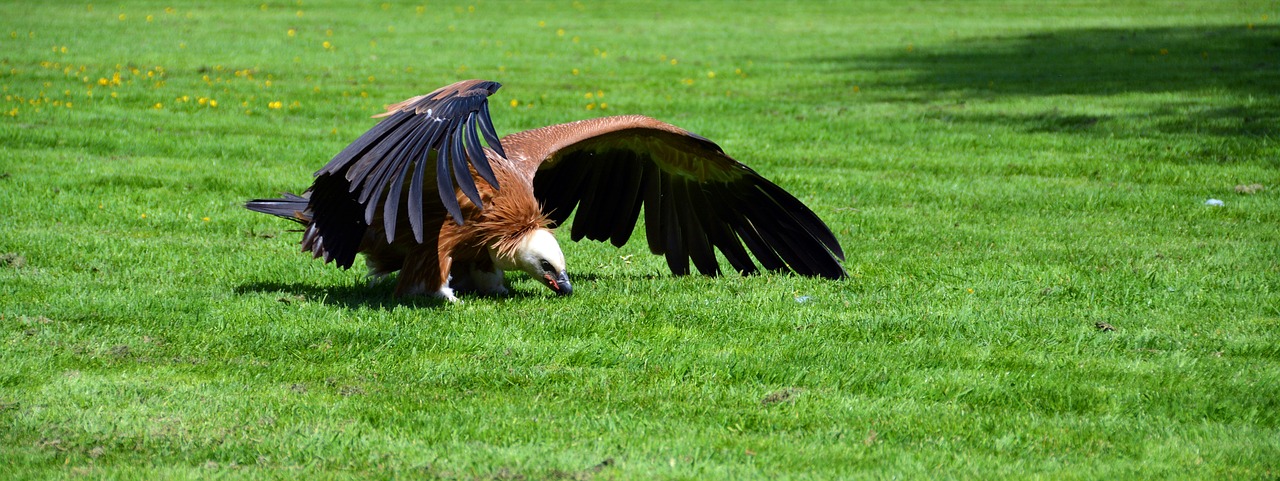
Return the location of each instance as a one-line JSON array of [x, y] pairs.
[[1188, 63], [379, 295]]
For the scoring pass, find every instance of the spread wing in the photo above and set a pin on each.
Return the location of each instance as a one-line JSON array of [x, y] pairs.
[[447, 123], [696, 198]]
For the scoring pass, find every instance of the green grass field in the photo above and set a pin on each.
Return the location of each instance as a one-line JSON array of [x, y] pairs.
[[1007, 179]]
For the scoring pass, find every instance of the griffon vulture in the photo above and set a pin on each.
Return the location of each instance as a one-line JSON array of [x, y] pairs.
[[418, 193]]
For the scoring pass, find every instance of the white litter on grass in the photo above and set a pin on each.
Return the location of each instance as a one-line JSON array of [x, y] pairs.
[[803, 299], [1215, 203]]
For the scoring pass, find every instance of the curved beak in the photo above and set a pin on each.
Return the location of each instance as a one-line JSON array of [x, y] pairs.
[[560, 284]]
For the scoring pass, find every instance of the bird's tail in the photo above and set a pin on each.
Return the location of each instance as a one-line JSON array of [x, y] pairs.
[[291, 206]]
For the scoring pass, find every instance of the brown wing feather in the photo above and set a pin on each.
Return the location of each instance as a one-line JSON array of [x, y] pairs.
[[696, 198]]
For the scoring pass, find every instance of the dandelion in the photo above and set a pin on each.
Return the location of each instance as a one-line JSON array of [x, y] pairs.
[[575, 71], [420, 9], [299, 13], [293, 32], [542, 23], [687, 81], [150, 18], [275, 105], [213, 103], [121, 17], [559, 32], [674, 61], [327, 45], [589, 95], [603, 106], [158, 106], [103, 81], [206, 219], [711, 74], [144, 216], [515, 103], [591, 106]]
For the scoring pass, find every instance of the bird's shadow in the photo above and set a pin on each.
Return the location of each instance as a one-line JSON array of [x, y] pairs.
[[381, 295]]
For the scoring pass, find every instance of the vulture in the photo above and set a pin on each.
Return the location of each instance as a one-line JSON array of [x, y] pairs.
[[419, 193]]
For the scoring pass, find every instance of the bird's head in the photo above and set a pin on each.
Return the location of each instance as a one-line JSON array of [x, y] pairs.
[[538, 254]]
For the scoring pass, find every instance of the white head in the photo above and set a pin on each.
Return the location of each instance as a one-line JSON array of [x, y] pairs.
[[539, 255]]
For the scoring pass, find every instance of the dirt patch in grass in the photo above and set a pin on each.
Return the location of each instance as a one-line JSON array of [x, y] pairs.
[[782, 396], [12, 259]]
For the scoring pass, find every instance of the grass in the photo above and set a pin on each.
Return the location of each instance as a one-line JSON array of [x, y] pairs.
[[1005, 178]]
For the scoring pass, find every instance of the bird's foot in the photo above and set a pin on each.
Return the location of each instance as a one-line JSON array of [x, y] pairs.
[[445, 293]]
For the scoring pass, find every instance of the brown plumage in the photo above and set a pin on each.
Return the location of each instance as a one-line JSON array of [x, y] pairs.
[[418, 193]]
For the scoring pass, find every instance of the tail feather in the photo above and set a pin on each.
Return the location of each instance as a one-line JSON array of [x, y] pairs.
[[292, 206]]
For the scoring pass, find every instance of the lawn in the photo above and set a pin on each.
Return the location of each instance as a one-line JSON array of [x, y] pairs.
[[1038, 284]]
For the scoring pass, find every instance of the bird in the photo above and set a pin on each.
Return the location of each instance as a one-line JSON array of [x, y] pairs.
[[419, 193]]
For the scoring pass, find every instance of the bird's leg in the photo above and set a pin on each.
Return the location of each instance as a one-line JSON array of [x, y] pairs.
[[479, 276], [422, 275], [488, 283]]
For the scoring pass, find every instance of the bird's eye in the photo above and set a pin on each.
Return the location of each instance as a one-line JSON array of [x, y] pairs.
[[546, 266]]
